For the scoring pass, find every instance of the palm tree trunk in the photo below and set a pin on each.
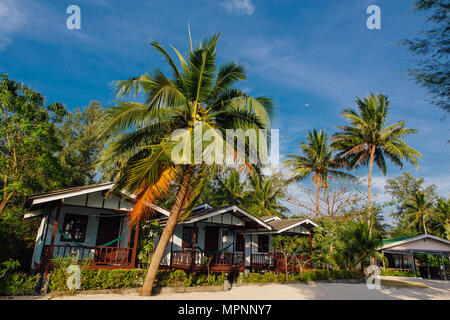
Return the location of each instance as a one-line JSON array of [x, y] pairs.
[[167, 232], [424, 224], [317, 197], [369, 187]]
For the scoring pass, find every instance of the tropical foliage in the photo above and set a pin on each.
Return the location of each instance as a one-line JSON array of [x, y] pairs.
[[144, 138], [42, 148], [317, 161], [430, 48], [368, 139]]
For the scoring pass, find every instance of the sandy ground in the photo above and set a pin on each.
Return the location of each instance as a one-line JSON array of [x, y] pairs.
[[392, 289]]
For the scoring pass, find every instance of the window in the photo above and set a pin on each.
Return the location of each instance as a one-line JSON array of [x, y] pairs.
[[239, 242], [188, 237], [263, 243], [74, 227]]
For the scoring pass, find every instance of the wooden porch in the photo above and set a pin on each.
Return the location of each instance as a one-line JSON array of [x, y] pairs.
[[277, 263], [100, 257], [197, 261]]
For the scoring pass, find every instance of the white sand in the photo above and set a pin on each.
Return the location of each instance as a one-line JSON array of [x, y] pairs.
[[318, 291]]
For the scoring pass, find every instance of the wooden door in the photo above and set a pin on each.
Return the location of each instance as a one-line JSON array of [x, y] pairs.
[[108, 230], [212, 239]]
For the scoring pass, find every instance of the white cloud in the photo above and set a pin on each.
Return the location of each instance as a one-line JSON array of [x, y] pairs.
[[11, 19], [240, 6]]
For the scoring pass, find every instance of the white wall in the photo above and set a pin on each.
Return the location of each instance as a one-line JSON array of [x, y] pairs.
[[91, 229]]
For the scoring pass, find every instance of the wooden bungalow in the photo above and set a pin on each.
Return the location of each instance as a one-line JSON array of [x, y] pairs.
[[402, 254], [229, 239], [83, 221], [264, 257], [91, 222]]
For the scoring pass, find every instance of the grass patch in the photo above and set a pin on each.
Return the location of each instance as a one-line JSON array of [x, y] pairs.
[[399, 284]]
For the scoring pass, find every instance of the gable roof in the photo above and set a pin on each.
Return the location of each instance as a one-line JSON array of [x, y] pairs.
[[37, 201], [389, 243], [241, 213], [285, 224], [392, 240], [269, 218]]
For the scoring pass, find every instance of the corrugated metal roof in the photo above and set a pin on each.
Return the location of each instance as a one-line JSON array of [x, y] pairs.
[[392, 240]]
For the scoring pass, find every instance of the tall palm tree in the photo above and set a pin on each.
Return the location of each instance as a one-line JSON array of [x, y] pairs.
[[199, 95], [418, 210], [263, 198], [368, 139], [316, 160]]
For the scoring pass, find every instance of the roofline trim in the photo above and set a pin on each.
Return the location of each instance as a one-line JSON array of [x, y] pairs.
[[297, 224], [419, 237], [226, 209], [272, 218], [69, 194]]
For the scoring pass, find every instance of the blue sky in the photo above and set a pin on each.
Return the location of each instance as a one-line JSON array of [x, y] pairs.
[[312, 57]]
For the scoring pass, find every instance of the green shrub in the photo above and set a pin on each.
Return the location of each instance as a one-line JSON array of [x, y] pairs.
[[133, 278], [397, 273], [306, 275], [13, 284]]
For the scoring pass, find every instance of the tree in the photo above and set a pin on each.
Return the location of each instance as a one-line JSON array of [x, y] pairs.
[[368, 139], [419, 210], [290, 247], [144, 137], [316, 160], [28, 142], [227, 188], [440, 222], [263, 198], [431, 48], [81, 144], [341, 196], [402, 189], [362, 243]]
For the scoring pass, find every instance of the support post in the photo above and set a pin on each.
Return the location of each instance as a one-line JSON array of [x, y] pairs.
[[55, 227], [136, 237], [171, 253], [443, 266], [428, 267], [194, 244], [243, 250], [310, 250], [413, 261]]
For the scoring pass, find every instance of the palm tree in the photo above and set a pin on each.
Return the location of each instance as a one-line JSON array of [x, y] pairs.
[[228, 188], [200, 95], [419, 210], [441, 217], [368, 139], [263, 198], [317, 160], [361, 244]]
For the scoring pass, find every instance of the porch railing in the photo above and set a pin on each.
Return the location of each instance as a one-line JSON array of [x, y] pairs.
[[196, 260], [99, 256], [277, 262]]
